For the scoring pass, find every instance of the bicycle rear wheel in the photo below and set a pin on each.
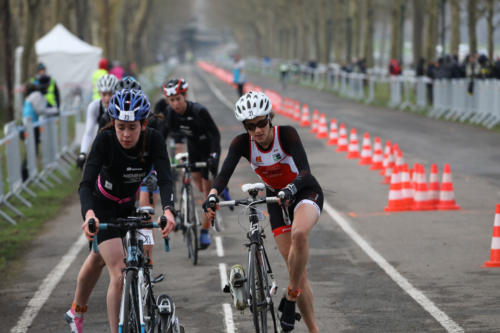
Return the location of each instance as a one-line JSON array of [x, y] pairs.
[[132, 321], [193, 230], [258, 288]]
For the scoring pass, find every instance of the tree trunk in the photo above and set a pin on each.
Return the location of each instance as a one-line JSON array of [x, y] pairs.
[[8, 56], [471, 25], [104, 28], [396, 30], [356, 27], [82, 24], [349, 31], [30, 20], [339, 36], [322, 33], [138, 29], [432, 31], [455, 27], [368, 35], [418, 23], [491, 27]]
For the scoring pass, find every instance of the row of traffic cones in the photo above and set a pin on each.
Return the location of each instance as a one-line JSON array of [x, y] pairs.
[[408, 188]]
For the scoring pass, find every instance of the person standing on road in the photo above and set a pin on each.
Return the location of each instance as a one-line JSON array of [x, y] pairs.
[[96, 114], [194, 122], [121, 156], [277, 156], [239, 74]]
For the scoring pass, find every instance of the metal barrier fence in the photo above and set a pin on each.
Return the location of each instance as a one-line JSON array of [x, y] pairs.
[[476, 101], [49, 137]]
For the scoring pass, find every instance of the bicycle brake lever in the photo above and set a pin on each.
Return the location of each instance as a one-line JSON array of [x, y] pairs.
[[166, 241]]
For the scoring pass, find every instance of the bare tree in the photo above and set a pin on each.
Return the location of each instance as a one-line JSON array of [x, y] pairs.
[[490, 12], [30, 20], [340, 35], [471, 25], [418, 23], [138, 29], [368, 34], [5, 20], [455, 26], [396, 30], [432, 30]]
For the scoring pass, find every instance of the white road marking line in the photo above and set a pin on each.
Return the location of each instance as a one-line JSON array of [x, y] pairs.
[[416, 294], [48, 284], [228, 317], [218, 245], [223, 275], [217, 92]]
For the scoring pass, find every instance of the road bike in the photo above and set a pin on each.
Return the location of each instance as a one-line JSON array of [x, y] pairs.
[[140, 311], [257, 289], [188, 214]]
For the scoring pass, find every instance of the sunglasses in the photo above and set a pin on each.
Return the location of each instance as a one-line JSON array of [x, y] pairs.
[[260, 124]]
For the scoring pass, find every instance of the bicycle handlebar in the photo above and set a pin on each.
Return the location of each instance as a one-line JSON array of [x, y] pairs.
[[187, 165], [248, 202]]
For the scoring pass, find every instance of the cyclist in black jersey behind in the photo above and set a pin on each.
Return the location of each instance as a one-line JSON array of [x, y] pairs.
[[122, 154], [276, 154], [193, 121]]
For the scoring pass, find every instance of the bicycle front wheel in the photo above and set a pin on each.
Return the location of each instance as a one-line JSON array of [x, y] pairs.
[[258, 291], [192, 236], [132, 321]]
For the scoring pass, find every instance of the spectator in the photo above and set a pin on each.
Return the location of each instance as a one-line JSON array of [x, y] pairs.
[[431, 74], [420, 70], [395, 67], [239, 75], [472, 71], [100, 71], [47, 84], [117, 70]]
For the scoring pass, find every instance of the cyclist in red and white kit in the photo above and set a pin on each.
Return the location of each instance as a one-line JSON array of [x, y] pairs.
[[276, 154]]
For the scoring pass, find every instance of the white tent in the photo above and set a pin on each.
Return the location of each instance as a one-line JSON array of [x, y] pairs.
[[69, 60]]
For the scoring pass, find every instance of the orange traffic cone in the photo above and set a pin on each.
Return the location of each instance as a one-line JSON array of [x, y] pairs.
[[353, 150], [342, 141], [315, 122], [398, 156], [333, 135], [388, 170], [421, 195], [387, 152], [447, 195], [396, 202], [414, 175], [495, 242], [434, 186], [304, 119], [296, 111], [322, 128], [366, 150], [378, 158], [406, 186]]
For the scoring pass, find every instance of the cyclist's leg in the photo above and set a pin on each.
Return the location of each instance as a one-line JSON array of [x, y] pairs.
[[87, 278], [112, 252], [144, 201], [204, 186]]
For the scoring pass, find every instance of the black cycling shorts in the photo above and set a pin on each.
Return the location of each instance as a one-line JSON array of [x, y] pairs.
[[314, 194], [201, 153], [107, 209]]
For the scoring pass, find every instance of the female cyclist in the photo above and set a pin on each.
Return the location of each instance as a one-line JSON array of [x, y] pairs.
[[121, 156], [277, 156]]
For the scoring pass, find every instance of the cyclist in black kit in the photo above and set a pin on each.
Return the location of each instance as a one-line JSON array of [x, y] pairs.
[[122, 154], [277, 156], [193, 121]]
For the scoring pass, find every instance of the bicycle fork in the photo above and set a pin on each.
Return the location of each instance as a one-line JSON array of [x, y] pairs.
[[140, 280]]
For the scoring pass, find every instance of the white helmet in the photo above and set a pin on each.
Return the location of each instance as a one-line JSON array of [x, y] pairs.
[[107, 83], [252, 104]]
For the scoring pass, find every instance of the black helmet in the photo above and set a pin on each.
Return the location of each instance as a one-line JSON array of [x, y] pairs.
[[128, 82]]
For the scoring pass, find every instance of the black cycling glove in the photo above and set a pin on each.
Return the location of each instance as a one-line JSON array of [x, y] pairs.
[[80, 161], [287, 193], [210, 202]]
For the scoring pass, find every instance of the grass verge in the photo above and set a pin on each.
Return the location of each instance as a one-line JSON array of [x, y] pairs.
[[15, 239]]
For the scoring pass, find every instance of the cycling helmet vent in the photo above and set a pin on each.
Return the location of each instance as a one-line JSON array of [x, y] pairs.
[[174, 87], [128, 82], [252, 104], [107, 83], [129, 105]]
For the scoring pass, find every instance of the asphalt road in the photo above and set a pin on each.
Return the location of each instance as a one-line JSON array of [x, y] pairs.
[[370, 271]]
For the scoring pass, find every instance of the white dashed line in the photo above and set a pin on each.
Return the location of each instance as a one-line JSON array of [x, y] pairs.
[[218, 245], [228, 317], [223, 275], [416, 294]]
